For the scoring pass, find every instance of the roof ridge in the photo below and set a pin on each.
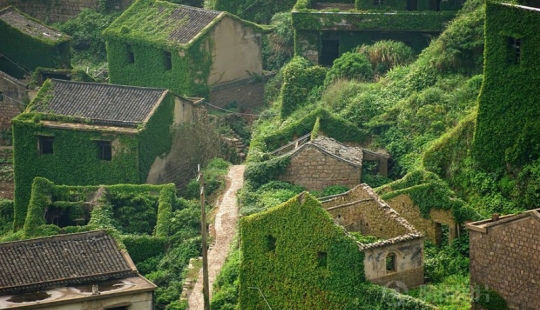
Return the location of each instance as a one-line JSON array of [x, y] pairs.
[[107, 84], [100, 232]]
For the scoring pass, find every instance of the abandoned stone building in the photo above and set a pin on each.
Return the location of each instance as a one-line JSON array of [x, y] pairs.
[[13, 100], [401, 245], [324, 31], [199, 52], [74, 271], [504, 255], [302, 237], [26, 43], [108, 133], [324, 162]]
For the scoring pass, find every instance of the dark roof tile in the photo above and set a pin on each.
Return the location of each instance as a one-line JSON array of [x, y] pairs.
[[38, 264], [190, 21], [30, 26], [102, 103]]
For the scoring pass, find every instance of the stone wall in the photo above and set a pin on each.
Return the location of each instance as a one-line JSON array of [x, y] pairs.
[[50, 11], [13, 96], [359, 210], [315, 170], [504, 258], [409, 264], [429, 227], [247, 93]]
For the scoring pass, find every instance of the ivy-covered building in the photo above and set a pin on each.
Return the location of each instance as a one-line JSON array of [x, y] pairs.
[[506, 132], [77, 133], [324, 31], [26, 43], [191, 51], [298, 256]]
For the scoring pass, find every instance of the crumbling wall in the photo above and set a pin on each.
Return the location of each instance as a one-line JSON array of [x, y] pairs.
[[315, 170]]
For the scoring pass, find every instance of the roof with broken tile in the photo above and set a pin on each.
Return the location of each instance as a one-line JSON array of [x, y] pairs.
[[332, 147], [105, 104], [30, 26], [165, 23], [39, 264]]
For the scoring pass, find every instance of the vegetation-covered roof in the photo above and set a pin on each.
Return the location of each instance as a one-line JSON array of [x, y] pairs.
[[164, 23], [30, 26]]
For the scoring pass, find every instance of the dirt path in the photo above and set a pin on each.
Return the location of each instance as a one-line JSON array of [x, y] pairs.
[[225, 227]]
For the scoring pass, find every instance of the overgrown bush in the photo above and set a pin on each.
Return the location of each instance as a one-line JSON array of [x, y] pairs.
[[350, 66], [385, 55], [278, 46]]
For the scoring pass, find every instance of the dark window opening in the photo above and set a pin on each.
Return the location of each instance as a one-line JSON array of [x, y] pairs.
[[168, 60], [270, 243], [118, 308], [105, 150], [130, 55], [1, 96], [412, 5], [378, 2], [435, 5], [45, 145], [515, 48], [391, 262], [64, 217], [322, 259], [533, 3], [442, 233], [329, 52]]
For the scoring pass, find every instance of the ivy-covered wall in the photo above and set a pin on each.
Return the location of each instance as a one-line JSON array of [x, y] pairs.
[[354, 28], [253, 10], [30, 52], [75, 159], [507, 123], [298, 258]]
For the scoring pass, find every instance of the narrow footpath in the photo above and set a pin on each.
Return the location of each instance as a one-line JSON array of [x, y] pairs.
[[225, 227]]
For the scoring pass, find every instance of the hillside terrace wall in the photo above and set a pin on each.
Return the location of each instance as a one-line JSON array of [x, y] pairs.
[[51, 11], [504, 258], [315, 170]]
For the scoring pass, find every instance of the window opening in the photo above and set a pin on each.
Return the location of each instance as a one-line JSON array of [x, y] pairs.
[[412, 5], [168, 60], [271, 244], [118, 308], [1, 96], [322, 259], [131, 55], [391, 262], [329, 51], [515, 46], [45, 144], [378, 2], [105, 150], [442, 233]]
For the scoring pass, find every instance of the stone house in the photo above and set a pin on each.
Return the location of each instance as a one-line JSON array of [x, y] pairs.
[[77, 133], [74, 271], [26, 43], [324, 162], [300, 244], [13, 99], [189, 50], [362, 210], [324, 31], [504, 255]]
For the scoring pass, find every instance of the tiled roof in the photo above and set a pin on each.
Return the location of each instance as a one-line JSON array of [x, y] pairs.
[[38, 264], [351, 154], [30, 26], [106, 104], [190, 21]]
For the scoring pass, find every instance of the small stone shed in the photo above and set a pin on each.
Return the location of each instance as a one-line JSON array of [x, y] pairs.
[[77, 133], [74, 271], [324, 162], [26, 43], [397, 259], [189, 50], [504, 254]]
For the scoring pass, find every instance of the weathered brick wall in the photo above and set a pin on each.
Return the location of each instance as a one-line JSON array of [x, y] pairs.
[[247, 94], [13, 96], [407, 209], [409, 272], [59, 10], [315, 170], [505, 259]]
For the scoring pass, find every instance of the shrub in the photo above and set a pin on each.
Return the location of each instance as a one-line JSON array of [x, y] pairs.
[[385, 55], [278, 46], [352, 66]]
